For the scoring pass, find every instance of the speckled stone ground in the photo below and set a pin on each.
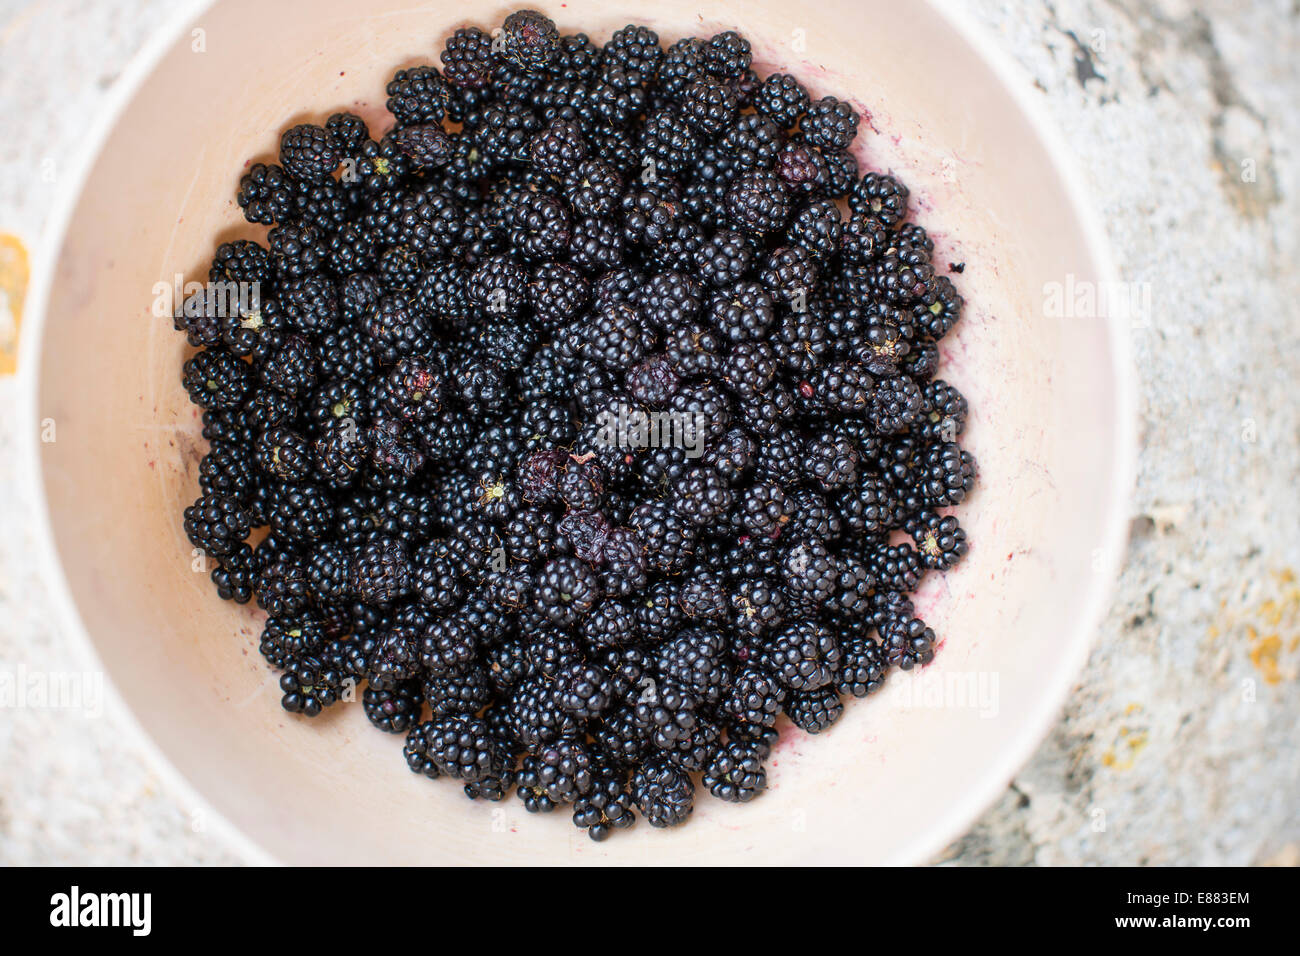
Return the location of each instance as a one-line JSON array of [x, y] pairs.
[[1178, 744]]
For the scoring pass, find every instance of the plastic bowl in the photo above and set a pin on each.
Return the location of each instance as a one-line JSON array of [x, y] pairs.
[[904, 771]]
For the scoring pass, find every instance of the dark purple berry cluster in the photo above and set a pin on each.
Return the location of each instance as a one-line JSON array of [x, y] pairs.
[[586, 419]]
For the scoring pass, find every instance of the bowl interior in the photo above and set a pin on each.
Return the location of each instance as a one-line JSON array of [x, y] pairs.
[[904, 769]]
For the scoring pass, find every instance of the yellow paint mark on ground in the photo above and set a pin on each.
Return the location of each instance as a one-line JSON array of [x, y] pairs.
[[1124, 754], [14, 274]]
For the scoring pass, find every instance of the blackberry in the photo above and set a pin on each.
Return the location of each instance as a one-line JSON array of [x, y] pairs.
[[559, 148], [702, 496], [346, 131], [870, 507], [897, 568], [818, 228], [593, 188], [766, 509], [216, 524], [666, 712], [754, 697], [896, 403], [750, 368], [758, 606], [831, 459], [464, 691], [743, 312], [724, 258], [284, 454], [539, 226], [694, 661], [417, 96], [939, 307], [814, 711], [288, 638], [215, 379], [582, 690], [880, 195], [841, 173], [752, 143], [906, 642], [266, 194], [281, 584], [596, 244], [564, 770], [862, 669], [582, 533], [736, 773], [567, 588], [940, 540], [782, 99], [392, 711], [790, 274], [842, 387], [653, 382], [694, 350], [227, 469], [805, 656], [448, 644], [633, 56], [535, 718], [308, 153], [298, 249], [576, 59], [758, 203], [529, 40], [233, 575], [704, 596], [663, 793], [944, 412], [607, 805], [801, 168], [503, 131], [668, 538], [302, 512], [709, 105], [946, 474], [427, 145], [829, 124], [459, 746], [328, 572], [312, 683], [624, 572], [381, 572], [339, 454], [291, 367]]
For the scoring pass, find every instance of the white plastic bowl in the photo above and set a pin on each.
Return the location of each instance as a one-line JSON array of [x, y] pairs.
[[903, 772]]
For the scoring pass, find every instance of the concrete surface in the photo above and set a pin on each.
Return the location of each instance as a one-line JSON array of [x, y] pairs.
[[1178, 744]]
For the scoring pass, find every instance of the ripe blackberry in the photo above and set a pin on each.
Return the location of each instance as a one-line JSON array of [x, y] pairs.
[[938, 307], [381, 572], [448, 644], [284, 454], [632, 56], [906, 642], [694, 661], [742, 312], [593, 188], [302, 512], [703, 596], [758, 606], [582, 690], [946, 474], [607, 805], [750, 367], [869, 507], [736, 773], [596, 245], [394, 710], [464, 691], [818, 228], [215, 379], [724, 258], [308, 153], [693, 349], [709, 105], [266, 194], [782, 99], [467, 59], [701, 496], [582, 533], [758, 203], [567, 588], [667, 712], [228, 469], [417, 96], [559, 148], [233, 575], [805, 656], [815, 710], [940, 540], [339, 454], [765, 509], [539, 226], [624, 572], [897, 568], [653, 382], [311, 683], [753, 143], [459, 746], [832, 459], [809, 573], [668, 538], [216, 524], [663, 793], [529, 40], [862, 669], [616, 337], [841, 387], [298, 249], [829, 124], [881, 196], [291, 367], [281, 583], [668, 299], [535, 718], [896, 403], [943, 417]]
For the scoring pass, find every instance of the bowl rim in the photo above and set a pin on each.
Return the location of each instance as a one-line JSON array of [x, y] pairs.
[[965, 807]]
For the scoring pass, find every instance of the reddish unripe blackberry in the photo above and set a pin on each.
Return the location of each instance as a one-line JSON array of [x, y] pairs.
[[530, 40]]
